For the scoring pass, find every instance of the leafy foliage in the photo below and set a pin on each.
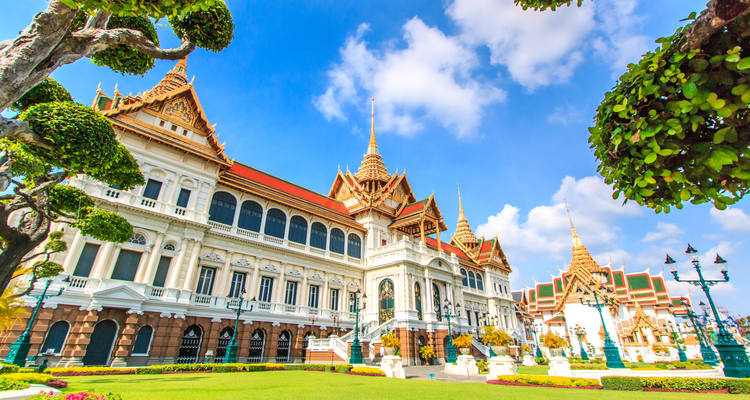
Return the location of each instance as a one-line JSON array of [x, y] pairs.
[[82, 140], [390, 340], [211, 28], [127, 59], [104, 225], [426, 352], [549, 380], [12, 384], [462, 341], [495, 336], [541, 5], [673, 129], [45, 92], [154, 9], [622, 383], [552, 340]]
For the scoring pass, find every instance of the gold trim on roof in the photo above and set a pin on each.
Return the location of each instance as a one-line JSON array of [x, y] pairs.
[[372, 167]]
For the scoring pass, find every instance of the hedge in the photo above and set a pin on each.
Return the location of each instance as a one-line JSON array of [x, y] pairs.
[[588, 366], [210, 367], [622, 383], [676, 384], [12, 384], [549, 380], [367, 371], [5, 368], [34, 378]]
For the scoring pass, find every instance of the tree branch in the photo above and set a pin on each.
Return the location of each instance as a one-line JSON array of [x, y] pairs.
[[102, 39], [16, 129], [717, 15]]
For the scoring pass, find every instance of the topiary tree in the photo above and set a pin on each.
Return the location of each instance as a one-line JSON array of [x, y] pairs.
[[53, 138], [675, 126]]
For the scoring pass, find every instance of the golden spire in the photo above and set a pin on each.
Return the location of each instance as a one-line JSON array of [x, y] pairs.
[[463, 229], [580, 258], [372, 167], [576, 239], [175, 78]]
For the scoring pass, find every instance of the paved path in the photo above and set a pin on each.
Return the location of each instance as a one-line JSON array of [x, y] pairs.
[[423, 372]]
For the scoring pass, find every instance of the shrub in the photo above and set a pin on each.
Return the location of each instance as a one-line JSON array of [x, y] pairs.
[[367, 371], [29, 369], [494, 336], [342, 367], [390, 340], [12, 384], [29, 377], [226, 368], [738, 386], [57, 384], [482, 365], [687, 384], [622, 383], [462, 341], [153, 369], [552, 340], [426, 353], [76, 396], [549, 380], [588, 366], [73, 371], [5, 368], [541, 360]]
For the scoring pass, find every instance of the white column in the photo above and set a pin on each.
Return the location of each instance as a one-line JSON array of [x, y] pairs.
[[74, 252], [174, 270], [302, 289], [254, 283], [147, 275], [103, 259], [281, 285], [324, 296], [192, 271], [222, 283], [172, 199]]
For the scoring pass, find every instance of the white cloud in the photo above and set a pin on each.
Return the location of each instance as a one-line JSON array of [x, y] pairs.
[[619, 44], [731, 219], [566, 115], [538, 48], [546, 228], [664, 230], [429, 78]]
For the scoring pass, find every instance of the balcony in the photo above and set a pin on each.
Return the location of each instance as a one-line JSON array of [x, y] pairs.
[[407, 249]]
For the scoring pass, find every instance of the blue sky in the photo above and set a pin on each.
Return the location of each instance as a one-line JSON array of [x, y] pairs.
[[475, 92]]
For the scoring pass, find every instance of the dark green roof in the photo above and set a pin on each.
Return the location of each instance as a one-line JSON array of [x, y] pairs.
[[638, 282]]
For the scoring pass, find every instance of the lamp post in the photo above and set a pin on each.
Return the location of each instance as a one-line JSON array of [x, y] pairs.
[[450, 350], [20, 348], [610, 349], [356, 352], [230, 356], [708, 354], [536, 340], [670, 329], [581, 331], [733, 355]]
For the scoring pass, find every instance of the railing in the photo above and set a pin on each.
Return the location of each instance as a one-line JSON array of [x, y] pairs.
[[156, 292], [245, 232], [290, 309], [78, 282], [273, 239], [262, 306], [481, 347], [220, 227], [202, 299], [340, 347]]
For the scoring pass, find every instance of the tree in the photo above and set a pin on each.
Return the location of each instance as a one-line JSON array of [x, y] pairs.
[[675, 126], [52, 138]]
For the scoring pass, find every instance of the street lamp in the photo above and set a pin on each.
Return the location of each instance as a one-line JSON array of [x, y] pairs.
[[610, 349], [536, 340], [450, 350], [356, 352], [20, 348], [230, 356], [733, 355], [581, 331], [670, 329], [708, 354]]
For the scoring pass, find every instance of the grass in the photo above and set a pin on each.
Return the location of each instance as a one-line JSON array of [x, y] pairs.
[[533, 370], [328, 386]]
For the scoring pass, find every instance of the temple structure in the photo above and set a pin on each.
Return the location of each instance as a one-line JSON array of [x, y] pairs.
[[210, 231], [638, 320]]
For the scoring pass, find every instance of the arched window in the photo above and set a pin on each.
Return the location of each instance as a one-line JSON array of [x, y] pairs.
[[170, 247], [386, 300], [298, 229], [56, 335], [464, 277], [282, 348], [305, 343], [225, 336], [143, 340], [137, 238], [472, 281], [222, 208], [337, 241], [257, 342], [275, 223], [480, 284], [436, 302], [355, 246], [191, 345], [251, 213], [318, 235], [101, 341], [418, 299]]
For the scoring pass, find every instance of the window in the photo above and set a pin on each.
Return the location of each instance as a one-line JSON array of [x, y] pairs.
[[298, 229], [352, 302], [291, 293], [251, 213], [355, 246], [206, 281], [436, 302], [334, 303], [337, 241], [126, 265], [266, 287], [137, 238], [275, 223], [161, 271], [464, 277], [318, 235], [312, 298], [56, 336], [170, 247], [183, 198], [418, 299], [480, 284], [386, 300], [143, 340], [238, 284], [222, 208], [86, 260], [152, 189], [472, 280]]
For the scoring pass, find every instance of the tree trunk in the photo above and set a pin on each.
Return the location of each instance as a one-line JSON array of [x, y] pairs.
[[11, 258]]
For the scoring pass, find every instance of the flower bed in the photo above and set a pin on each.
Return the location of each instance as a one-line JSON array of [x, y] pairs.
[[188, 368], [368, 371], [549, 381], [12, 384], [35, 378], [57, 384], [76, 396], [677, 384]]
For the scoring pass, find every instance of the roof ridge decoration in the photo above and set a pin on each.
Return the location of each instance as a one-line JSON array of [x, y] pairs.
[[464, 234], [372, 167], [174, 79]]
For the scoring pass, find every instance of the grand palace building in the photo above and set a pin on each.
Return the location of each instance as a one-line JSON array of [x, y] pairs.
[[213, 234]]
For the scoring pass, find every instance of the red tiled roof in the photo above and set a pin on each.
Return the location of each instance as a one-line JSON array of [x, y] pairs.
[[414, 207], [486, 246], [445, 246], [287, 187]]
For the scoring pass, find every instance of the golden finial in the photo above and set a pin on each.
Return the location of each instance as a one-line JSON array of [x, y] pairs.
[[372, 148], [463, 229], [460, 204], [576, 239], [372, 167]]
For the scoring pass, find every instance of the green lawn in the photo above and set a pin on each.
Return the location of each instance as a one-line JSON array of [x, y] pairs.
[[533, 370], [326, 385]]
